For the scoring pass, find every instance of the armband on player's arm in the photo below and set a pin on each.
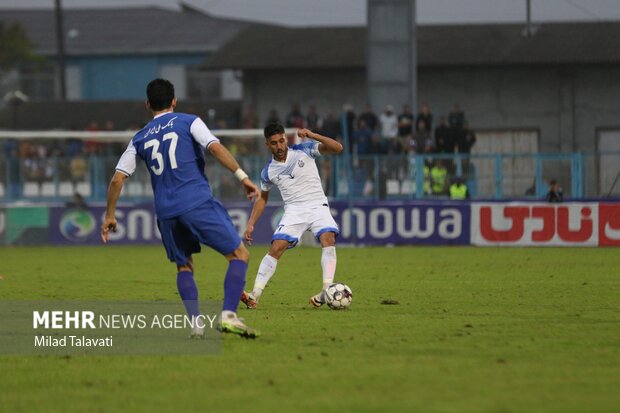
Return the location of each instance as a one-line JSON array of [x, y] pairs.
[[240, 174]]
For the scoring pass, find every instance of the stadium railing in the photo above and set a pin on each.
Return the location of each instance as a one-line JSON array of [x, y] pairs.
[[54, 165]]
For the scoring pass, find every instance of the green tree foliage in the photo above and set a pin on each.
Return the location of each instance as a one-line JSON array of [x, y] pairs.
[[15, 47]]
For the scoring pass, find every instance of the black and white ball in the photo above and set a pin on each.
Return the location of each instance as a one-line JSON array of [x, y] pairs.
[[338, 296]]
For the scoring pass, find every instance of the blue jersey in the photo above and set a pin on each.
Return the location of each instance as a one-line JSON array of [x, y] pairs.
[[172, 145]]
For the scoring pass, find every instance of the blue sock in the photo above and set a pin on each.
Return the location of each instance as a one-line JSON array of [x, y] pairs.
[[233, 284], [188, 292]]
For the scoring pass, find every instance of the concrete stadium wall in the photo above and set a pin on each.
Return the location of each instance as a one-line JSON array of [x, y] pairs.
[[567, 104], [327, 89], [78, 114]]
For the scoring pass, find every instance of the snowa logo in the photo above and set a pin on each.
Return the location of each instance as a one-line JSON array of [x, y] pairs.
[[77, 225]]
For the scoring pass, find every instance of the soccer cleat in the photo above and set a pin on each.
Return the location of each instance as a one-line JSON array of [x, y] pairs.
[[234, 325], [249, 300], [317, 300], [197, 332]]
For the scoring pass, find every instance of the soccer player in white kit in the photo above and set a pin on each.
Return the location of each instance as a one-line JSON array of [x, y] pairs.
[[293, 171]]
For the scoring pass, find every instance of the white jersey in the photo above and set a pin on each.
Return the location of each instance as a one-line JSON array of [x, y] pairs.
[[297, 177]]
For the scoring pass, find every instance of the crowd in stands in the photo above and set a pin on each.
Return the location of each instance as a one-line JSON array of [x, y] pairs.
[[386, 133], [389, 133], [39, 160]]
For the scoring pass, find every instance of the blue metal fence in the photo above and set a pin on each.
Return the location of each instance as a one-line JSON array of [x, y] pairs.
[[349, 177]]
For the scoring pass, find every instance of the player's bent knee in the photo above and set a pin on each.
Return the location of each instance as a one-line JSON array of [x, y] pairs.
[[328, 239], [241, 253], [278, 247], [186, 267]]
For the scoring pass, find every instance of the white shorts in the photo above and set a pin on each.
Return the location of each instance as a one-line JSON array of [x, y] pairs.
[[296, 221]]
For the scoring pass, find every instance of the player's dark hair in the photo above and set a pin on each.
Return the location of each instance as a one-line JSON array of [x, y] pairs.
[[273, 129], [160, 93]]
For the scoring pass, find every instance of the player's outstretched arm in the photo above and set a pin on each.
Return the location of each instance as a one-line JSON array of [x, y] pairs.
[[257, 211], [114, 191], [327, 144], [224, 157]]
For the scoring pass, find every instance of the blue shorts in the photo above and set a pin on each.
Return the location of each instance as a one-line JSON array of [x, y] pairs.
[[208, 224]]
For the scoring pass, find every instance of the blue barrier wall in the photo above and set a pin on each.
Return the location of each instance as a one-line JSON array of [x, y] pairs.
[[486, 223]]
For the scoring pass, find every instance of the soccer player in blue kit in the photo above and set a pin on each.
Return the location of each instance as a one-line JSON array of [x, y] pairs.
[[172, 145]]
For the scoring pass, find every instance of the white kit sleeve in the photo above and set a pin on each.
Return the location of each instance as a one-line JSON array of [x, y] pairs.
[[127, 163], [202, 134]]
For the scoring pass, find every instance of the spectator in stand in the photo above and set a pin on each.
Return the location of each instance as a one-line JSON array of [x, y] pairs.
[[467, 139], [444, 142], [405, 127], [389, 126], [78, 168], [93, 126], [378, 145], [423, 139], [425, 116], [134, 126], [273, 117], [370, 118], [362, 138], [74, 147], [295, 119], [114, 148], [458, 190], [93, 146], [34, 165], [331, 126], [428, 164], [456, 132], [11, 155], [405, 121], [313, 120], [532, 189], [349, 115], [443, 138], [456, 118], [555, 193], [362, 142], [439, 175], [77, 202], [250, 118]]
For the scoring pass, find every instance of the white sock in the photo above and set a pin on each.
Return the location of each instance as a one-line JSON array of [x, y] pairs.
[[265, 271], [328, 263], [226, 314]]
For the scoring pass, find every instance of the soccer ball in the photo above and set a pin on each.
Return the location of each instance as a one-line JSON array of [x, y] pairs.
[[338, 296]]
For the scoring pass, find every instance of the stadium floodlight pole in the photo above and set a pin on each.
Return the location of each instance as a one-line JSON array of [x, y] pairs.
[[529, 17], [530, 29], [60, 40], [391, 39]]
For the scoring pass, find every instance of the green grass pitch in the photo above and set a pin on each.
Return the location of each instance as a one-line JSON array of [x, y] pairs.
[[474, 330]]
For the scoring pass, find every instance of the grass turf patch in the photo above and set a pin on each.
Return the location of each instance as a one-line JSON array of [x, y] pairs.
[[474, 330]]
